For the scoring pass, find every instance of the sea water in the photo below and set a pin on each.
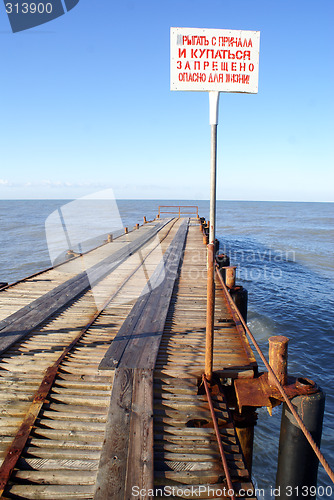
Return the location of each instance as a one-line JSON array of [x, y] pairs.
[[284, 256]]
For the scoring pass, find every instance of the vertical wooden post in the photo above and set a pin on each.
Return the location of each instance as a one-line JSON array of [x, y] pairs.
[[278, 359], [210, 306], [126, 230], [137, 226], [145, 217], [110, 238], [179, 212]]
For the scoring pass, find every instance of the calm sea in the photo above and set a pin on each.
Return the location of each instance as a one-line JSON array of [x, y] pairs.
[[284, 257]]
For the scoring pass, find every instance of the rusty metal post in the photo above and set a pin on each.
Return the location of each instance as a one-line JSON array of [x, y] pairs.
[[69, 254], [210, 307], [110, 238], [146, 220], [126, 230], [229, 275], [137, 226], [278, 359]]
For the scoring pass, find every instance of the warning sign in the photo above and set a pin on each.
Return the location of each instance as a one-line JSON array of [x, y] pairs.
[[218, 60]]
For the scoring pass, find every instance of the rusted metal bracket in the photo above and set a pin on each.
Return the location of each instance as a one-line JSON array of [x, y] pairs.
[[257, 392]]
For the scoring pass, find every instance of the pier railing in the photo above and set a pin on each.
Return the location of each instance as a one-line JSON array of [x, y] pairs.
[[179, 210], [274, 375]]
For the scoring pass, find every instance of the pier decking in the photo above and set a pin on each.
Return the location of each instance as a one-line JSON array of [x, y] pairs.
[[100, 369]]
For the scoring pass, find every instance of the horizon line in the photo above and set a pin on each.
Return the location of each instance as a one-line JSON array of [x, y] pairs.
[[170, 199]]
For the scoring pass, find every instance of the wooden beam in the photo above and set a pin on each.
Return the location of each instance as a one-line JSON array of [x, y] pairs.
[[137, 342], [127, 453], [111, 477], [140, 456]]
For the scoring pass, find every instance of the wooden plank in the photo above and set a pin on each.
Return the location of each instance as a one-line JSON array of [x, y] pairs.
[[148, 315], [45, 492], [140, 456], [53, 477], [143, 348], [113, 355], [111, 477]]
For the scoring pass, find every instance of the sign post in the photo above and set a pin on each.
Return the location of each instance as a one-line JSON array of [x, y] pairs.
[[213, 101], [214, 61]]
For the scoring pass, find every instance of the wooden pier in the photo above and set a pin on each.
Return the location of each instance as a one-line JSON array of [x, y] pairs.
[[100, 374]]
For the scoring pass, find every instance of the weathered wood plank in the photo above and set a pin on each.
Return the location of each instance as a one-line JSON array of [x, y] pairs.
[[111, 477], [45, 492], [144, 345], [140, 456], [144, 319]]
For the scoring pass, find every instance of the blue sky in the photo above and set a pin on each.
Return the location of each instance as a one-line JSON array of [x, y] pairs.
[[86, 105]]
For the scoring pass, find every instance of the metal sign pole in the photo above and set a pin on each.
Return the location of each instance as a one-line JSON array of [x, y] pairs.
[[210, 305], [237, 72], [213, 101]]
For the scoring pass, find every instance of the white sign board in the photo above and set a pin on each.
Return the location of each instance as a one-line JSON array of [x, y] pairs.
[[217, 60]]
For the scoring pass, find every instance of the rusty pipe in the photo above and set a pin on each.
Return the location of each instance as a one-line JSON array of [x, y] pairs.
[[210, 307], [278, 359], [219, 441]]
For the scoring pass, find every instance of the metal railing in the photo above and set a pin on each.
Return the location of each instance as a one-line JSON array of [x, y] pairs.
[[238, 319], [178, 210]]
